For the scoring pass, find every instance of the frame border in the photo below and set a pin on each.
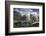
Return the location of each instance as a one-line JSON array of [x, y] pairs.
[[7, 3]]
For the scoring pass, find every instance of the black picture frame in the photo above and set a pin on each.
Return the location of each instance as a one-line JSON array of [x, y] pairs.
[[7, 3]]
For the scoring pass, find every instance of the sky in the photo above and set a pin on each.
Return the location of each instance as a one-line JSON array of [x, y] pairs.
[[26, 10]]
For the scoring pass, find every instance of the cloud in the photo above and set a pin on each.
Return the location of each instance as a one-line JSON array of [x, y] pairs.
[[26, 10]]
